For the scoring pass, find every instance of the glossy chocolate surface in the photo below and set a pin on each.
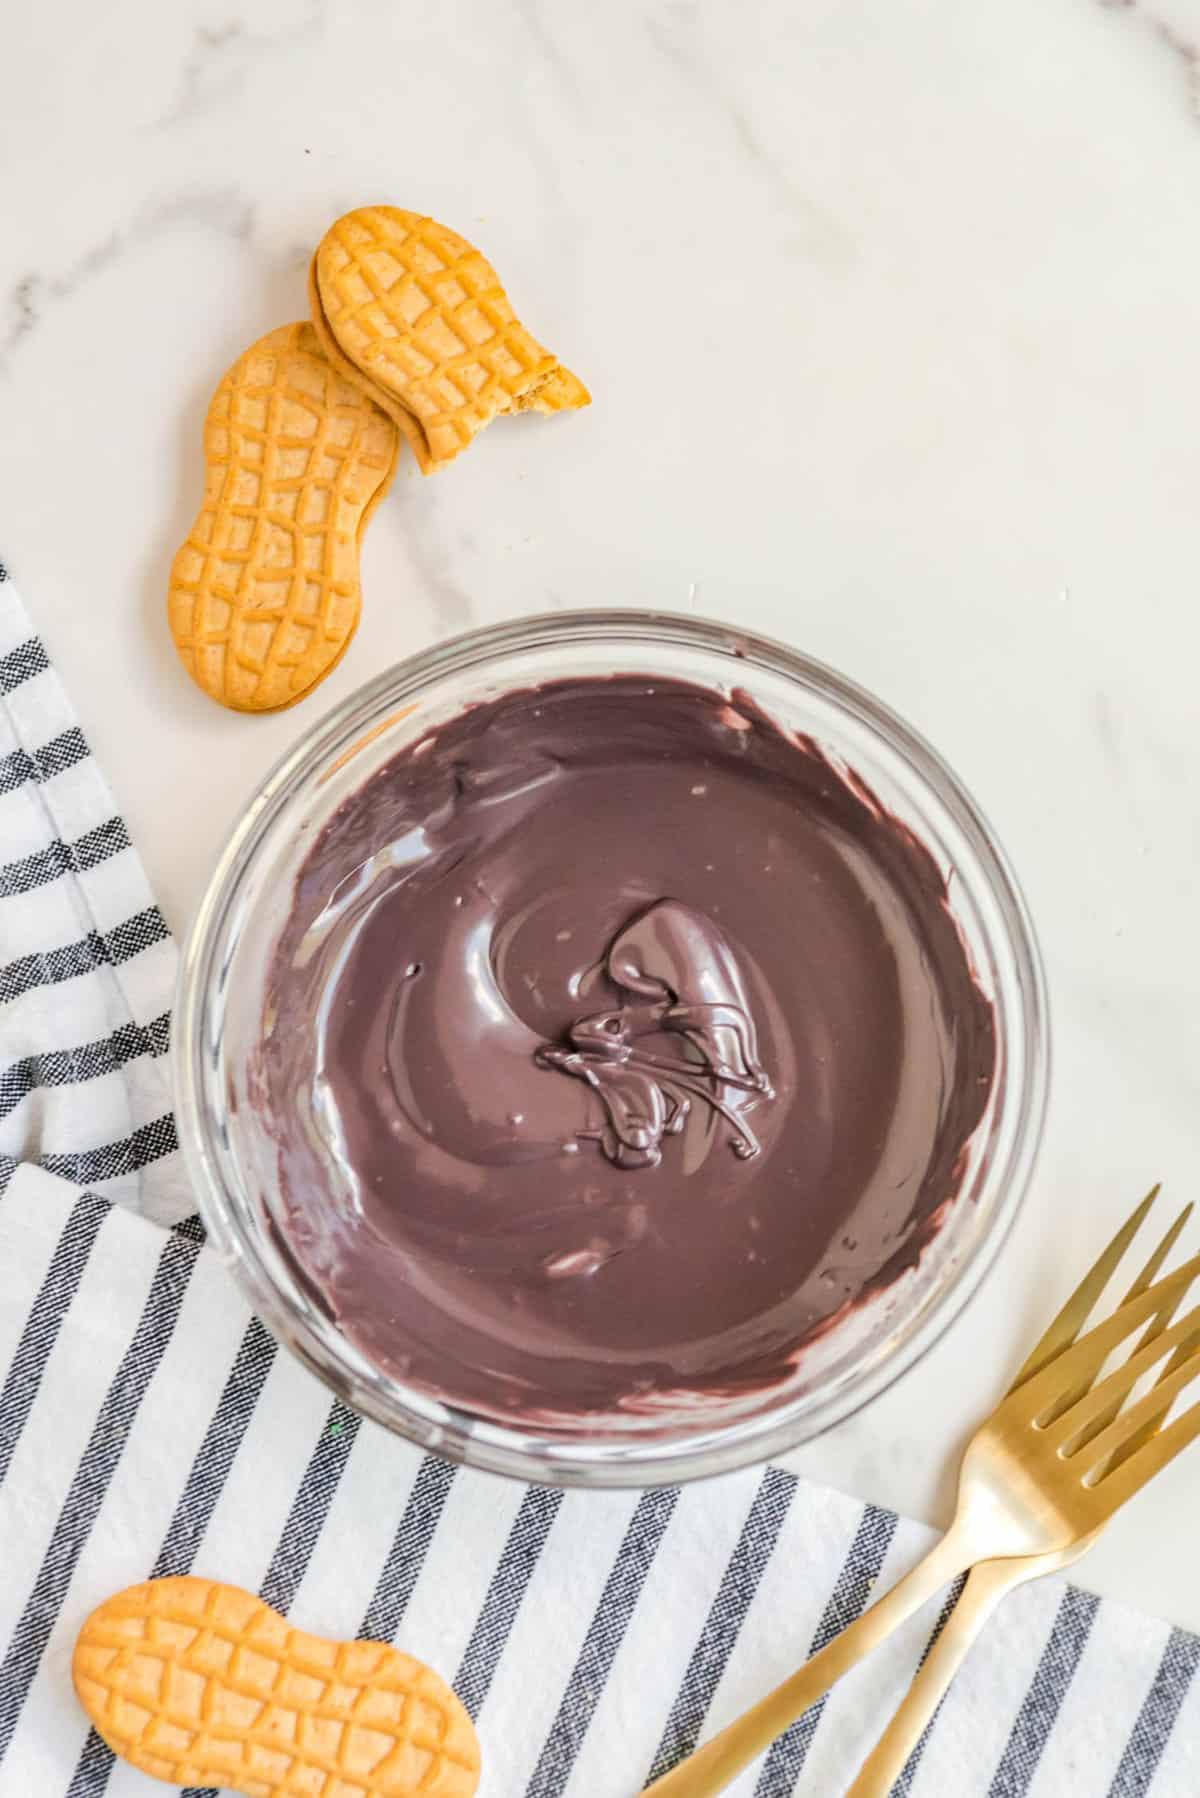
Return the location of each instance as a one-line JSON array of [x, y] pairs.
[[615, 1043]]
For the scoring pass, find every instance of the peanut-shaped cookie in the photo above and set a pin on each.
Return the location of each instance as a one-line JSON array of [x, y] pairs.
[[413, 311], [201, 1684], [264, 594]]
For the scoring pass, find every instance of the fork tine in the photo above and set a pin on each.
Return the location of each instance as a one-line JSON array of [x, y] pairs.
[[1069, 1427], [1075, 1313], [1135, 1472], [1185, 1367], [1149, 1273], [1036, 1396], [1155, 1327], [1182, 1354], [1101, 1421]]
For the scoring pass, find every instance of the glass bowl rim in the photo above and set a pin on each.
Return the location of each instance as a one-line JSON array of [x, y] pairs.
[[508, 1449]]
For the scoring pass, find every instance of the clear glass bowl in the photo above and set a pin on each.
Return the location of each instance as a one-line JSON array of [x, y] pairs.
[[218, 1021]]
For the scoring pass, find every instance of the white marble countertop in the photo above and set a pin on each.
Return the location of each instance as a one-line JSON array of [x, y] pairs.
[[891, 315]]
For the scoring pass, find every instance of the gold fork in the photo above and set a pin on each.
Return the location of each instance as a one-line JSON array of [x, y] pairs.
[[1059, 1455], [990, 1581]]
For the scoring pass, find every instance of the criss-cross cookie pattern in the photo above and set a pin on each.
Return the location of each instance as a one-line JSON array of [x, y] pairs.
[[202, 1684], [265, 593], [422, 316]]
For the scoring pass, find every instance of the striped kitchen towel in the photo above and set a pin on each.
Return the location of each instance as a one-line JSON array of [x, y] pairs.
[[150, 1425], [86, 962]]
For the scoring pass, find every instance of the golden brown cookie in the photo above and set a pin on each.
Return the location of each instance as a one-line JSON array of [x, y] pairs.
[[201, 1684], [264, 594], [416, 313]]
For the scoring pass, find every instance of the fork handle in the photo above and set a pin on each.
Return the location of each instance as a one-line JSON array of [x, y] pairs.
[[986, 1586], [711, 1768]]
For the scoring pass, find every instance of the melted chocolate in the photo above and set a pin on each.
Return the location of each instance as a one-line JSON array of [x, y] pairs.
[[616, 1043], [684, 1033]]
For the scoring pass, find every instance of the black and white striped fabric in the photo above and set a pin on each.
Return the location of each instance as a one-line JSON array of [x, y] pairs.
[[86, 962], [149, 1425]]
